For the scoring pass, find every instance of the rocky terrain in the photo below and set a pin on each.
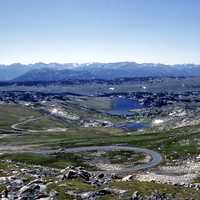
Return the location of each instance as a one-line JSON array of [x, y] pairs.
[[20, 181], [54, 145]]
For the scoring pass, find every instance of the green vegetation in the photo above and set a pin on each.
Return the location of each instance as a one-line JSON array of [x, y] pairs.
[[146, 188], [60, 160], [5, 165], [43, 123], [71, 185], [120, 157], [11, 114], [90, 108], [197, 180], [96, 103], [173, 144], [167, 142]]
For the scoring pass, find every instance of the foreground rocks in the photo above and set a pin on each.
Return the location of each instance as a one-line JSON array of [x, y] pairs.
[[32, 182], [121, 194], [23, 182], [181, 173]]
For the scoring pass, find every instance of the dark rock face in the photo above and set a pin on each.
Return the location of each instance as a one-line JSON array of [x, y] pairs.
[[136, 196], [154, 196], [74, 173], [159, 196]]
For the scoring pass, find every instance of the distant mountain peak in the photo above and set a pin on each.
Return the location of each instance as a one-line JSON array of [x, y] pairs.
[[105, 71]]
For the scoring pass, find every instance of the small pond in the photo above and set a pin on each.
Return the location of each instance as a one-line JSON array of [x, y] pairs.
[[122, 107]]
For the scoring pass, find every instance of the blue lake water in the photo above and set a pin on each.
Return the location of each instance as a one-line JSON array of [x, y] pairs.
[[122, 107]]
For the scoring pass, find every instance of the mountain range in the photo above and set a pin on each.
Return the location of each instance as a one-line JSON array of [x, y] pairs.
[[88, 71]]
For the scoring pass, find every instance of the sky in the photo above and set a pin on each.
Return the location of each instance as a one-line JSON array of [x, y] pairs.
[[156, 31]]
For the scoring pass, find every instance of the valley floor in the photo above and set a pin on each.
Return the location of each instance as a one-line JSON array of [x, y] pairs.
[[71, 147]]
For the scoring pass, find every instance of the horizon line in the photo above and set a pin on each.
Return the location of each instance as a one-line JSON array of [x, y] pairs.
[[97, 62]]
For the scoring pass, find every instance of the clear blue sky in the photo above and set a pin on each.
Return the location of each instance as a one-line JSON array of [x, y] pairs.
[[165, 31]]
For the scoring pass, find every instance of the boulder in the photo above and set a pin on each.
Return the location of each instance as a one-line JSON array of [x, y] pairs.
[[136, 196], [127, 178], [84, 174], [71, 174], [32, 191]]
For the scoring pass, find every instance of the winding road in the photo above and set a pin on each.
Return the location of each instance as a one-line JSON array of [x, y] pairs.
[[155, 160], [16, 128]]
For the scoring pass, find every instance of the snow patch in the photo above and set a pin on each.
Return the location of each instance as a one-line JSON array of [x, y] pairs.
[[157, 121]]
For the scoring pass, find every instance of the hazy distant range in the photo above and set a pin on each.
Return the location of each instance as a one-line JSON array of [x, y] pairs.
[[89, 71]]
